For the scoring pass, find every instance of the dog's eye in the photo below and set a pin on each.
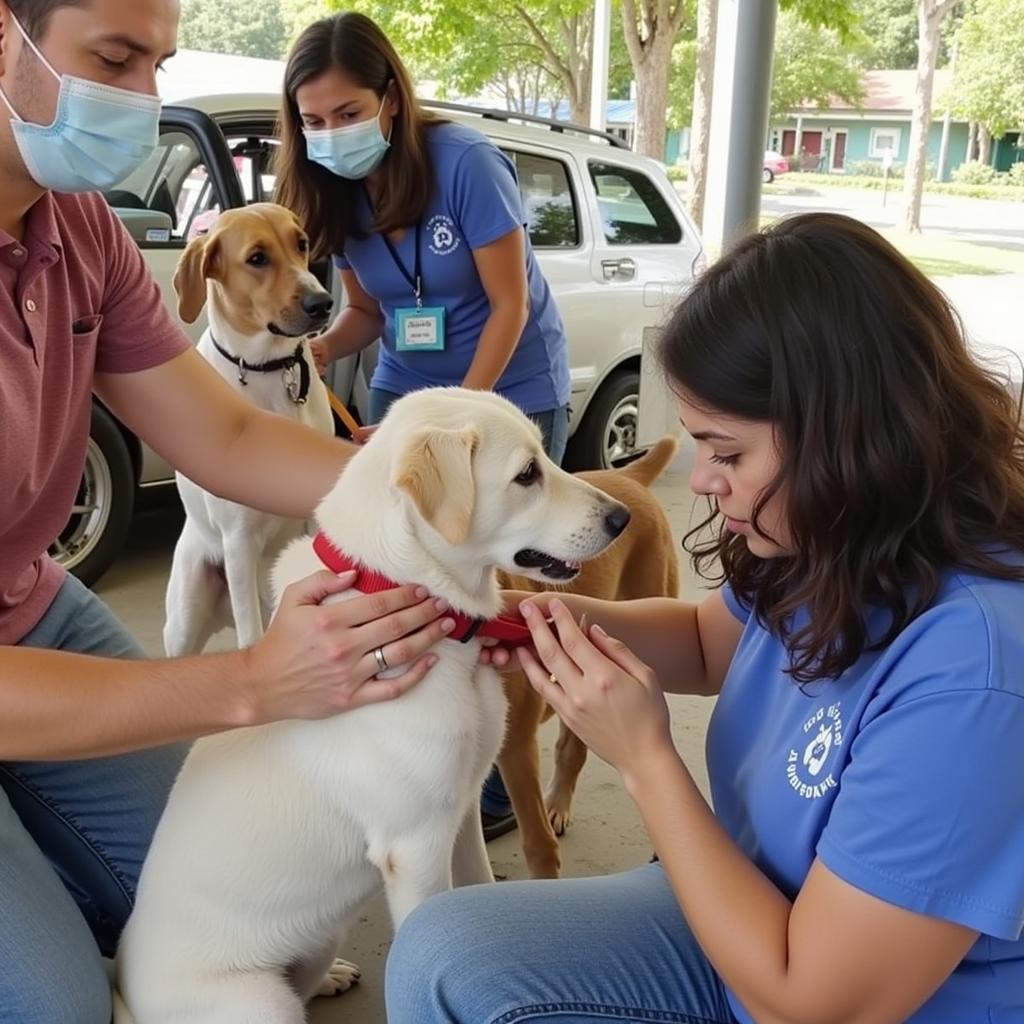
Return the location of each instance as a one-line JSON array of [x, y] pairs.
[[530, 475], [303, 245], [258, 259]]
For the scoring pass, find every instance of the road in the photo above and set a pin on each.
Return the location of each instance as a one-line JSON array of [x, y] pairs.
[[986, 222]]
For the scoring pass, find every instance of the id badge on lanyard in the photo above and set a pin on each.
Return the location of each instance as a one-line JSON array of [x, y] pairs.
[[418, 328]]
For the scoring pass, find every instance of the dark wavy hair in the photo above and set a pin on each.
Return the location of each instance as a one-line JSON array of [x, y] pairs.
[[322, 201], [901, 456]]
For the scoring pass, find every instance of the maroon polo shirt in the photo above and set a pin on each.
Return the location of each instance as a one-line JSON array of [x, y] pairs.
[[76, 298]]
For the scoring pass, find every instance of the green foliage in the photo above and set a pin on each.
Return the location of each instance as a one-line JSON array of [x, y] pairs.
[[974, 173], [1015, 176], [476, 44], [681, 82], [234, 26], [988, 83], [813, 65]]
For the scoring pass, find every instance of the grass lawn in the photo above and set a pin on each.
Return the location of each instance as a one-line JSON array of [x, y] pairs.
[[941, 256]]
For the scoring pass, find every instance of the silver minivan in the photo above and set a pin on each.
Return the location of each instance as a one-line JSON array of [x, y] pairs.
[[608, 227]]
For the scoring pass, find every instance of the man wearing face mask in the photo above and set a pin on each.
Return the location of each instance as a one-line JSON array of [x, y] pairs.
[[90, 732]]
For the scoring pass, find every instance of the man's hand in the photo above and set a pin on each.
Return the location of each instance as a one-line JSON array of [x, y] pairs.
[[317, 660]]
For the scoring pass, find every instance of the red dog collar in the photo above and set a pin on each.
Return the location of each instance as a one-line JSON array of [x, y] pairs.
[[510, 630]]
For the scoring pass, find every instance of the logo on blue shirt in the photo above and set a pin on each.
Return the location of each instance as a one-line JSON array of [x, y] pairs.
[[442, 239], [824, 730]]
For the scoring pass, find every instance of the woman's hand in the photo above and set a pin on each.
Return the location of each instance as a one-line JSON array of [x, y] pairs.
[[317, 660], [321, 353], [598, 687]]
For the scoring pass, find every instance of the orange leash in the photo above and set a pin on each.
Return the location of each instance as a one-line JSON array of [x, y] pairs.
[[343, 414]]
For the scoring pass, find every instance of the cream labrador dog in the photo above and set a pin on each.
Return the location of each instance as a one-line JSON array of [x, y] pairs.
[[253, 270], [274, 835]]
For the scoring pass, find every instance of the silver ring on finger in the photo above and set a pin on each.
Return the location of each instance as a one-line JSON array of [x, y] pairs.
[[378, 656]]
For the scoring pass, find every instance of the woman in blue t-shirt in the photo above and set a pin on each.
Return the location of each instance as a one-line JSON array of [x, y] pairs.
[[426, 225], [865, 858]]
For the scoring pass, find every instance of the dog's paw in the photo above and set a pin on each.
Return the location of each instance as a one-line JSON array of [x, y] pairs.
[[341, 976], [559, 813]]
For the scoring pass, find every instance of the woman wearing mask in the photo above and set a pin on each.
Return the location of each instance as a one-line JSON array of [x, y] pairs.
[[425, 223]]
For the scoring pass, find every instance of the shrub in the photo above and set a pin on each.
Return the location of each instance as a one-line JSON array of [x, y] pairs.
[[974, 173]]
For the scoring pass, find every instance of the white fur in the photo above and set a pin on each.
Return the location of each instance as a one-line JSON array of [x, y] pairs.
[[219, 575], [274, 835]]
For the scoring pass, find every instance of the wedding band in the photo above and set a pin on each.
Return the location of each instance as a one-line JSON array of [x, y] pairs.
[[378, 654]]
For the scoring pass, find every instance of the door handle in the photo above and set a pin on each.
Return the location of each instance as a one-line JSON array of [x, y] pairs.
[[623, 269]]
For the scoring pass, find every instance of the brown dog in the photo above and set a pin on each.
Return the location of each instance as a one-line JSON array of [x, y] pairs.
[[641, 563]]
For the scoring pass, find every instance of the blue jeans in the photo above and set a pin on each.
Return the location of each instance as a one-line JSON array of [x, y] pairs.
[[554, 427], [562, 952], [73, 836]]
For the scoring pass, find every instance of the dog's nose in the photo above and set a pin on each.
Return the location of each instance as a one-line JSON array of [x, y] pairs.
[[317, 305], [617, 520]]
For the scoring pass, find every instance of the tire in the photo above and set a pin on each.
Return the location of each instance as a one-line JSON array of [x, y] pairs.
[[102, 514], [607, 436], [767, 176]]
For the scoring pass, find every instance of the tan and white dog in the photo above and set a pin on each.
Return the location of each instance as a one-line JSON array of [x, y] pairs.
[[252, 269], [274, 835]]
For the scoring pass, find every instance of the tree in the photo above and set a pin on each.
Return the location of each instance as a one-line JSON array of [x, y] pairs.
[[813, 66], [700, 123], [299, 14], [651, 28], [988, 82], [890, 30], [521, 47], [930, 15], [234, 26]]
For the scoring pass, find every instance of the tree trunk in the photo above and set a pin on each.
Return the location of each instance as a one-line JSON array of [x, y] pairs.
[[652, 99], [984, 145], [650, 33], [700, 123], [929, 17], [972, 140]]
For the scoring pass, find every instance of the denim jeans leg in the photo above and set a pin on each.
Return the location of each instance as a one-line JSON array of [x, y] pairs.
[[572, 951], [73, 835]]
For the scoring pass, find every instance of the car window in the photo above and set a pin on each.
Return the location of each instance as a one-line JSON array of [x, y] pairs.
[[633, 211], [170, 197], [552, 217], [254, 160]]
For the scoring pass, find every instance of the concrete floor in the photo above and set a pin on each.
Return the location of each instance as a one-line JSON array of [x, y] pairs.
[[606, 835]]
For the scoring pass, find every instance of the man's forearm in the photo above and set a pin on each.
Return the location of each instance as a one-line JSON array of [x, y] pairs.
[[57, 705], [279, 466]]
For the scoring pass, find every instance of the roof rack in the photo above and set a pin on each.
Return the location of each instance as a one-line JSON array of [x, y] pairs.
[[494, 114]]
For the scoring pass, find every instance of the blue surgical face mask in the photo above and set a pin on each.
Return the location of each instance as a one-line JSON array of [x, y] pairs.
[[352, 151], [98, 137]]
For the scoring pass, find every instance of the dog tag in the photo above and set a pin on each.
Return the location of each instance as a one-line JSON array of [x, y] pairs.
[[419, 329]]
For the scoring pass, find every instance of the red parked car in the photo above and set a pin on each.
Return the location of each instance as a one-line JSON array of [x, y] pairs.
[[774, 164]]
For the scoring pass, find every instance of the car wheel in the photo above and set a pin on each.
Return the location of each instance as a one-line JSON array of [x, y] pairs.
[[101, 515], [767, 176], [606, 439]]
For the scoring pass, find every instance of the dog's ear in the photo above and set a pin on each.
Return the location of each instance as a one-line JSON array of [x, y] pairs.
[[197, 263], [436, 471]]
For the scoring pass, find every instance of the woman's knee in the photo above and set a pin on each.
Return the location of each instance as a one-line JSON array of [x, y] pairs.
[[438, 942]]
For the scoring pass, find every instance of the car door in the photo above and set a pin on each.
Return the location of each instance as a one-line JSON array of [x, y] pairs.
[[642, 261], [176, 193]]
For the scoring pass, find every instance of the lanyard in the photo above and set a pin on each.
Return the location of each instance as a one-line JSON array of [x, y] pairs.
[[416, 278]]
